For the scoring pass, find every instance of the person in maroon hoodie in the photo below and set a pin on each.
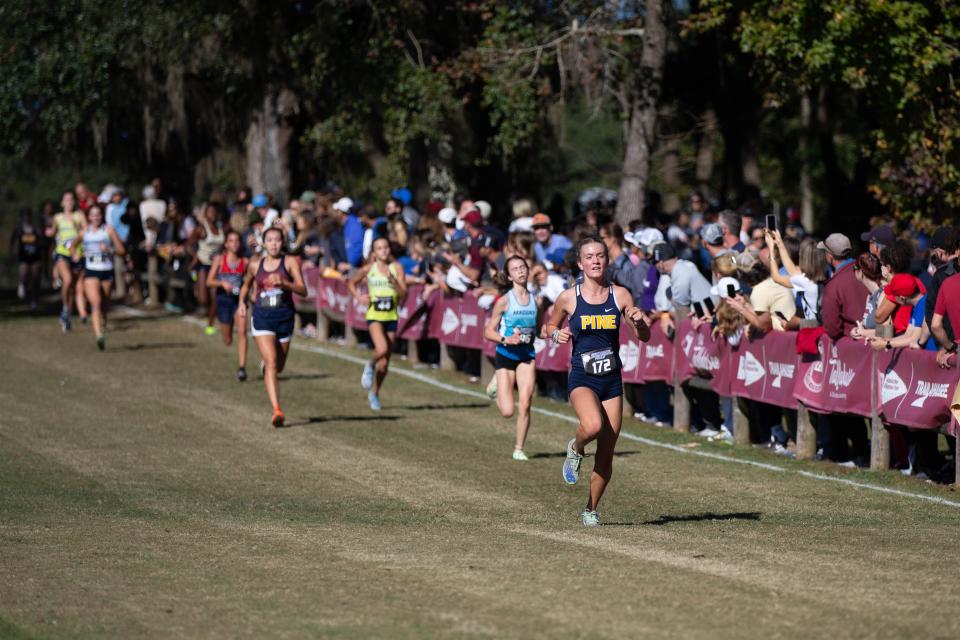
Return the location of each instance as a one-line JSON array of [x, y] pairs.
[[844, 297], [844, 303]]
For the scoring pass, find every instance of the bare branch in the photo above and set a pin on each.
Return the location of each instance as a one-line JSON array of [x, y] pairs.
[[416, 45]]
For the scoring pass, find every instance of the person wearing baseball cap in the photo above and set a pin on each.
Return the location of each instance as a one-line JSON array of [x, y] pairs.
[[550, 247], [844, 297], [472, 267], [878, 238], [352, 230], [944, 250], [645, 274], [684, 282]]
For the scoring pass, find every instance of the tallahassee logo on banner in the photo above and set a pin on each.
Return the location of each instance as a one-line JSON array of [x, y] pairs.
[[630, 355]]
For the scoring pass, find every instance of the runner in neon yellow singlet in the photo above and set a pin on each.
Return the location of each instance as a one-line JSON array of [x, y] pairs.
[[65, 227], [386, 287]]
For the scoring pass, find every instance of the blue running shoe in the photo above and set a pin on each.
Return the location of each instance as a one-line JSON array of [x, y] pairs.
[[590, 518], [374, 401], [366, 380], [571, 465]]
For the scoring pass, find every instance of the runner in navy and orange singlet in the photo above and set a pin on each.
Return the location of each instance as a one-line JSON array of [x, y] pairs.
[[595, 308], [275, 277]]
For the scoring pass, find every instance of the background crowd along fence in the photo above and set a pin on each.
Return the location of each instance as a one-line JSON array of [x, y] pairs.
[[901, 386]]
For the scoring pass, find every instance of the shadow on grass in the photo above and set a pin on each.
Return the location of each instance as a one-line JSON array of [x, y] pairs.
[[304, 376], [696, 517], [438, 407], [563, 454], [326, 419], [151, 346]]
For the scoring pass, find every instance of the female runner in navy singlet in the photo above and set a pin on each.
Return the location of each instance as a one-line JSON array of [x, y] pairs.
[[275, 277], [595, 383]]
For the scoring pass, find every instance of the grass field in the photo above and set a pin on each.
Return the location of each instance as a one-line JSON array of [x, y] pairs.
[[143, 494]]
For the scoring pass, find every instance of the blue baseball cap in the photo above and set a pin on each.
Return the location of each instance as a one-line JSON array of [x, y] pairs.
[[402, 194], [260, 200]]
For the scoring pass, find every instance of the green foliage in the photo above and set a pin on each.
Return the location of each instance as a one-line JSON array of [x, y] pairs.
[[896, 57]]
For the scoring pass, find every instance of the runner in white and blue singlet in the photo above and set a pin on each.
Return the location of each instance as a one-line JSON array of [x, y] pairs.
[[99, 243], [594, 308], [513, 326]]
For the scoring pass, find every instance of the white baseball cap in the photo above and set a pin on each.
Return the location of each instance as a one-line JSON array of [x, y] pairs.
[[722, 288], [447, 215], [484, 207], [344, 204]]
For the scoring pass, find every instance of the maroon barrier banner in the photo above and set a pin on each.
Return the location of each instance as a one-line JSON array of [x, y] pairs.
[[457, 321], [914, 391], [311, 277], [413, 314], [700, 354], [765, 368], [647, 361], [553, 357], [356, 312], [333, 296], [838, 380]]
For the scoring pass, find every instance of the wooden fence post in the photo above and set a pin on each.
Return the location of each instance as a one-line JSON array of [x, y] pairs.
[[806, 434], [681, 404], [486, 369], [741, 424], [323, 326], [446, 362], [879, 435], [152, 276], [119, 271]]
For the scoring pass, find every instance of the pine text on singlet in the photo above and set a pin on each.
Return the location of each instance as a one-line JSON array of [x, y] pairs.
[[595, 332]]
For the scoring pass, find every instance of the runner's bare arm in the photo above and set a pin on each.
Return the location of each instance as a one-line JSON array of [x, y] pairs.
[[399, 281], [356, 279], [296, 285], [562, 308], [636, 317], [248, 275], [212, 281], [492, 331]]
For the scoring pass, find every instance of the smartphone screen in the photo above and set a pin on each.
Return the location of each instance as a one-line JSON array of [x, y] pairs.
[[780, 315], [709, 304], [698, 309], [771, 222], [731, 291]]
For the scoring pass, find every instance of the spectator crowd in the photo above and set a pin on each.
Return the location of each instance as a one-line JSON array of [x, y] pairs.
[[890, 287]]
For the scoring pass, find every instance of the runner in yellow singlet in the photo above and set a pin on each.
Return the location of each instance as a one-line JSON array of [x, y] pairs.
[[65, 228], [385, 289]]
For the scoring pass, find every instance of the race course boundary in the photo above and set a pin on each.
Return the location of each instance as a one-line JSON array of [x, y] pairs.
[[413, 375]]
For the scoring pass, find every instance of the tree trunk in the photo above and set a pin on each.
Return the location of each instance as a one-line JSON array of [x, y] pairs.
[[706, 152], [268, 146], [670, 173], [641, 129], [806, 182]]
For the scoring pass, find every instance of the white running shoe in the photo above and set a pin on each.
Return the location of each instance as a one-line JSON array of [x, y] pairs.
[[708, 432], [590, 518], [374, 401], [492, 388], [366, 379], [571, 464], [518, 454]]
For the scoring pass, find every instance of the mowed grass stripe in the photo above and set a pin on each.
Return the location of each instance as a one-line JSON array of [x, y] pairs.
[[415, 526]]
